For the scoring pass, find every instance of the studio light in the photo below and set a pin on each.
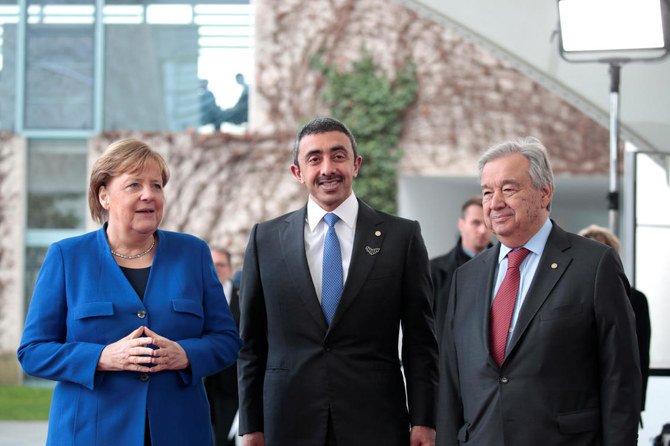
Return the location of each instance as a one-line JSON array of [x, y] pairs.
[[606, 30]]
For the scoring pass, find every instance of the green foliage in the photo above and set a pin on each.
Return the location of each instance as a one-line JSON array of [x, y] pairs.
[[372, 107], [25, 403]]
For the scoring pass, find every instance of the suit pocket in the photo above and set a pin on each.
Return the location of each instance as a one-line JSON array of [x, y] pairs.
[[561, 312], [578, 422], [93, 309], [187, 306]]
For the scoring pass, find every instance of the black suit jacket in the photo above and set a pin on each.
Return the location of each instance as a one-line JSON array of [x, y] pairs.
[[571, 375], [296, 372], [222, 388], [442, 269], [643, 330], [224, 383]]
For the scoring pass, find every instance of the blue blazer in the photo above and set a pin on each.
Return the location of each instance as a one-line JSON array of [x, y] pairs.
[[83, 302]]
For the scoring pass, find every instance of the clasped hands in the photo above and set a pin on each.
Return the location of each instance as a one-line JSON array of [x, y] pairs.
[[135, 353]]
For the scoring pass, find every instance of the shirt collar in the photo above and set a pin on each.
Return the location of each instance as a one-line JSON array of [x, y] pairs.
[[534, 245], [347, 211]]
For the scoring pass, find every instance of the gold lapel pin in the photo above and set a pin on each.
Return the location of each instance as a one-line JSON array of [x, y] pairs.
[[554, 265], [378, 233]]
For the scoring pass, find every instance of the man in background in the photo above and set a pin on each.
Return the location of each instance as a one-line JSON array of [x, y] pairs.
[[475, 237], [222, 387]]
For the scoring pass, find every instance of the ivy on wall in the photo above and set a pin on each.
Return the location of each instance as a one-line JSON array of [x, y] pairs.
[[372, 107]]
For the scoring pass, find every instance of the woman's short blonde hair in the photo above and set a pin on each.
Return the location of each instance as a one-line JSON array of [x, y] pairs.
[[123, 156], [602, 235]]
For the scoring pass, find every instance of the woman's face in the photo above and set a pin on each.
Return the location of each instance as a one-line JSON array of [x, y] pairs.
[[134, 201]]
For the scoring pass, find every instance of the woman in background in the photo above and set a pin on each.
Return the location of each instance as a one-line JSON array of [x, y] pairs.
[[129, 318], [637, 299]]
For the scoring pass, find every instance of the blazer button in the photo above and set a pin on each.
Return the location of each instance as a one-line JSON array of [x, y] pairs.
[[504, 380], [144, 377], [141, 314], [326, 348]]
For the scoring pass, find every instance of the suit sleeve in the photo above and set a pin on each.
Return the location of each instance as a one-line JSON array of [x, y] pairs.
[[619, 358], [219, 343], [449, 404], [253, 356], [45, 350], [419, 346]]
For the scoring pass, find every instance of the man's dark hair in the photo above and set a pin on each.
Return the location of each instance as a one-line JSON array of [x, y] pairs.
[[322, 125], [477, 200]]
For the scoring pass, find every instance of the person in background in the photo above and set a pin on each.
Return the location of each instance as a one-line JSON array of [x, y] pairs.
[[210, 112], [238, 113], [325, 290], [538, 346], [474, 238], [638, 301], [128, 319], [222, 387]]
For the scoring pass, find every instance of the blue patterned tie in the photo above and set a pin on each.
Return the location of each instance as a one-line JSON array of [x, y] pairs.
[[331, 281]]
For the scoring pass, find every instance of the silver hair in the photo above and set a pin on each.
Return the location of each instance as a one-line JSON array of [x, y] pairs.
[[530, 147]]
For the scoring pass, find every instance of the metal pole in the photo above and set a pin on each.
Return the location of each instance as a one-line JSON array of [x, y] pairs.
[[629, 198], [613, 196]]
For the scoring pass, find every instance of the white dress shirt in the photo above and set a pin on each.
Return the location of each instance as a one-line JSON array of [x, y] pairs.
[[315, 233], [228, 290]]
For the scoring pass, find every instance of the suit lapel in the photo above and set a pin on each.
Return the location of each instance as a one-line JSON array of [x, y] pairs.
[[552, 266], [112, 276], [367, 246], [292, 239]]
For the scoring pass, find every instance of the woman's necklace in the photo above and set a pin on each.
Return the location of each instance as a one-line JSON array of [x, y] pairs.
[[136, 256]]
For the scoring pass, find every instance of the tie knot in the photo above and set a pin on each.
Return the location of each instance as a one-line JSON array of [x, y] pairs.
[[514, 258], [330, 219]]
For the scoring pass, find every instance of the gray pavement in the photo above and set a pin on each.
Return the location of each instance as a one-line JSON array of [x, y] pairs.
[[23, 433]]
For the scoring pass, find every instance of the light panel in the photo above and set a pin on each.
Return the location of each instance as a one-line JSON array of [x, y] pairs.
[[613, 29]]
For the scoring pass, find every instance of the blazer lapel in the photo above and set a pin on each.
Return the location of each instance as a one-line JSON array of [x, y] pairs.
[[552, 266], [367, 246], [292, 240], [111, 276]]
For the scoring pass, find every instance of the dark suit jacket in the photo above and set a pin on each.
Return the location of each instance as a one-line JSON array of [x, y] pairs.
[[571, 375], [222, 388], [442, 269], [643, 330], [295, 371]]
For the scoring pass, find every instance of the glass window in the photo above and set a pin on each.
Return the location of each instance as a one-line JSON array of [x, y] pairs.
[[178, 69], [57, 184], [9, 17], [34, 259], [59, 78]]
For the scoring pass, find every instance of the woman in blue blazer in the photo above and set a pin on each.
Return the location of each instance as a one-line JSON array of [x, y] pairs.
[[128, 319]]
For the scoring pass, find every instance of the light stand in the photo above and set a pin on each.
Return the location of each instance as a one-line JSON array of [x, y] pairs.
[[613, 194], [613, 32]]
